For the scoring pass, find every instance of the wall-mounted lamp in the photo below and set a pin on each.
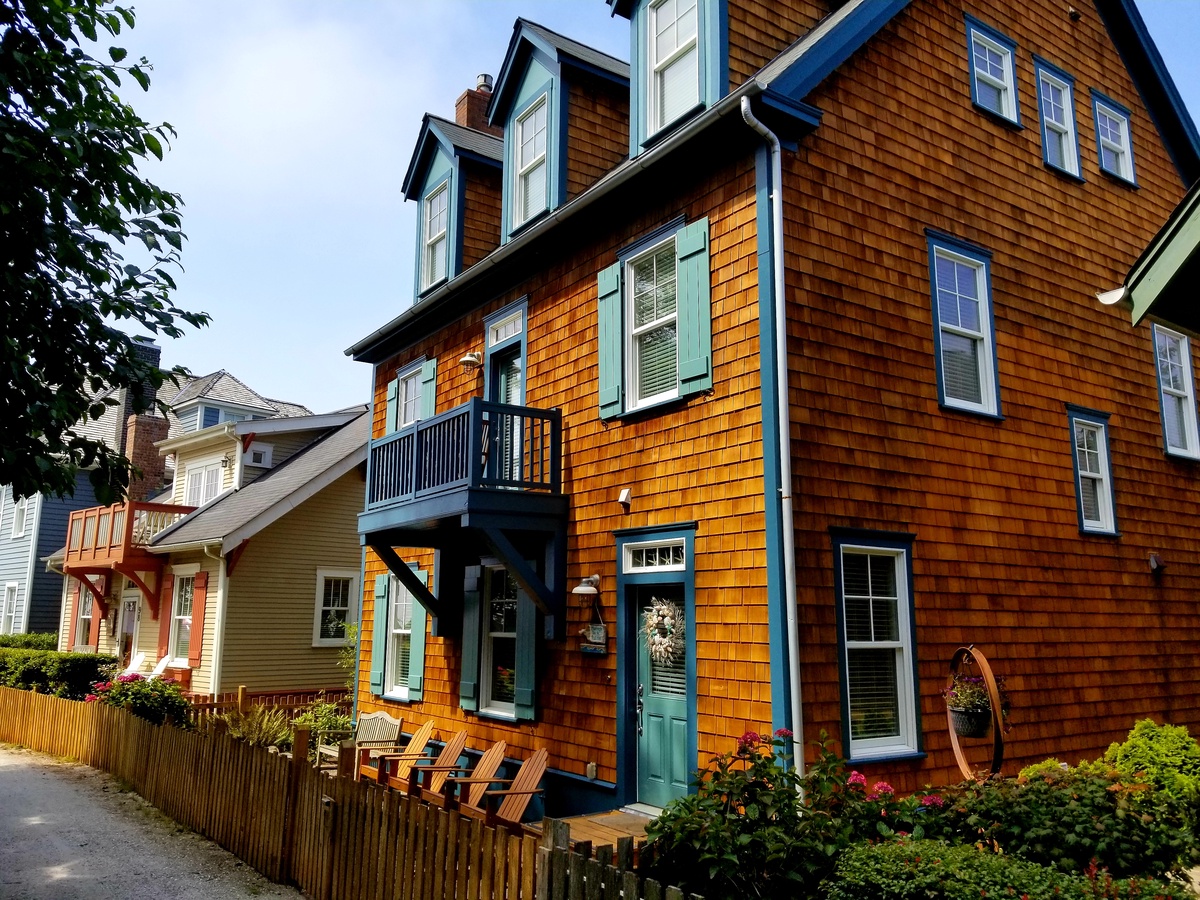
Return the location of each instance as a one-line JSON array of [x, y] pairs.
[[625, 498], [226, 461], [471, 361], [588, 587], [1157, 564]]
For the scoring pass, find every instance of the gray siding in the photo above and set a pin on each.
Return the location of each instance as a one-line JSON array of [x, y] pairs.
[[52, 536], [14, 552]]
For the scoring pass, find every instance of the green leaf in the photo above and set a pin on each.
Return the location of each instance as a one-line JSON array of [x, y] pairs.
[[117, 53], [154, 146], [140, 77]]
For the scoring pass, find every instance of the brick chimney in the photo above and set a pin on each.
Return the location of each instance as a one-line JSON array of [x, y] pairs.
[[470, 110], [146, 351], [141, 433]]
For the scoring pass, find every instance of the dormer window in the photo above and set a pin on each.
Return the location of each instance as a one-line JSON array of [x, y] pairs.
[[674, 60], [437, 217], [531, 162]]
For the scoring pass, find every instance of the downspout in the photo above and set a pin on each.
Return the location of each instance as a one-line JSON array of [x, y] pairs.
[[783, 413], [218, 643]]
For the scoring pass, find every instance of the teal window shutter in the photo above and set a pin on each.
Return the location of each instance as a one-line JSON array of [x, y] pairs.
[[526, 674], [416, 647], [393, 392], [612, 340], [468, 686], [694, 308], [428, 388], [379, 634]]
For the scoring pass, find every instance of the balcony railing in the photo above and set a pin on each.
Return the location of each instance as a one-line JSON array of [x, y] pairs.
[[477, 445], [103, 534]]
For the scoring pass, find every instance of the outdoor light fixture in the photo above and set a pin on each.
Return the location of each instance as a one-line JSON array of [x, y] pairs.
[[471, 361], [1157, 564], [587, 587]]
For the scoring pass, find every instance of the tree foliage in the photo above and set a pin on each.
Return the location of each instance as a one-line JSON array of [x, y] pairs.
[[87, 245]]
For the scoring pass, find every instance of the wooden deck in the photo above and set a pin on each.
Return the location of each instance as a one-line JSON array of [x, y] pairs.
[[604, 828]]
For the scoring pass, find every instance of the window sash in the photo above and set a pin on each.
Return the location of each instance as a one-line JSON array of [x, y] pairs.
[[1112, 134], [83, 630], [20, 516], [203, 484], [335, 607], [181, 616], [531, 180], [1093, 476], [410, 398], [436, 241], [8, 609], [1173, 357], [398, 654], [991, 66], [963, 311], [1058, 120], [498, 660], [652, 287], [674, 52]]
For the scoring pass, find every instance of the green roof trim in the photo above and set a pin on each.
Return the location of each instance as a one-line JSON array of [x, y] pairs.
[[1163, 282]]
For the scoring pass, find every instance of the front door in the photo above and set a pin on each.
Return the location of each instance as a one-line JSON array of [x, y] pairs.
[[130, 604], [663, 770], [508, 386]]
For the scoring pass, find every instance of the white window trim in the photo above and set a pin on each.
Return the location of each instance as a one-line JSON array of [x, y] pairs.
[[627, 556], [267, 451], [1066, 129], [1188, 395], [409, 375], [429, 277], [351, 610], [21, 509], [183, 469], [658, 65], [1007, 86], [986, 356], [1106, 524], [83, 598], [1124, 150], [394, 689], [630, 335], [190, 570], [524, 168], [488, 706], [495, 330], [906, 742], [11, 590]]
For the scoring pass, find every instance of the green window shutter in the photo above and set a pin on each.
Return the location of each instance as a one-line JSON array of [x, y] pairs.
[[379, 634], [526, 676], [612, 340], [468, 686], [416, 647], [428, 388], [694, 308], [393, 392]]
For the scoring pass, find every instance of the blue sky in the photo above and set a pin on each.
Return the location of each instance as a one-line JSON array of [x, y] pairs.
[[296, 120]]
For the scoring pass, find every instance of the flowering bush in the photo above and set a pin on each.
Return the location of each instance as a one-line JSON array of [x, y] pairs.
[[158, 700]]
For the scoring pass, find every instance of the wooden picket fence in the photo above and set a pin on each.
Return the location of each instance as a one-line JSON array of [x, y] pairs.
[[334, 838], [293, 703]]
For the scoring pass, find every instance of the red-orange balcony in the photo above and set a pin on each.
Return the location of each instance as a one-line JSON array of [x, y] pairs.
[[105, 539]]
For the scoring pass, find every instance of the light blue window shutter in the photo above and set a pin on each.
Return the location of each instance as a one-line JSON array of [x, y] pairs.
[[379, 633], [428, 388], [526, 676], [393, 394], [468, 686], [612, 340], [694, 308], [416, 647]]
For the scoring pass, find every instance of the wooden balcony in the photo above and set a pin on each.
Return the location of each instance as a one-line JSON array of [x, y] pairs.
[[115, 537]]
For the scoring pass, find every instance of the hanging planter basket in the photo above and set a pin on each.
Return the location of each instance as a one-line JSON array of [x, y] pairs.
[[971, 723]]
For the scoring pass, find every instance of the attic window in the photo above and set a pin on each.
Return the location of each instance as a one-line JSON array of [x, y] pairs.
[[674, 60], [531, 162], [436, 218], [259, 455]]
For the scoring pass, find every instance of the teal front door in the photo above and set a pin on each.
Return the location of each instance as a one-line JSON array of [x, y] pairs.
[[664, 769]]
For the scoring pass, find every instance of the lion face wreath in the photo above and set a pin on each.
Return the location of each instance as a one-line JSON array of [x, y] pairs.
[[662, 630]]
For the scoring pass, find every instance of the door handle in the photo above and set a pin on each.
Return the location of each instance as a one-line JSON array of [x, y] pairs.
[[641, 705]]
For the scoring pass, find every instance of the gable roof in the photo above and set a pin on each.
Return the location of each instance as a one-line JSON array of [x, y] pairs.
[[239, 515], [529, 38], [221, 386], [456, 140]]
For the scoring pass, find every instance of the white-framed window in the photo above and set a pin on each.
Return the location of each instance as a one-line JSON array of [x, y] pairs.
[[652, 352], [1060, 146], [259, 455], [508, 327], [963, 327], [202, 483], [10, 613], [656, 556], [498, 650], [1177, 392], [398, 661], [531, 164], [993, 73], [181, 618], [674, 59], [337, 590], [83, 621], [1113, 142], [408, 389], [878, 656], [435, 257], [20, 517], [1093, 472]]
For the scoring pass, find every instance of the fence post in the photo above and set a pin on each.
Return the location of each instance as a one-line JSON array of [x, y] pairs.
[[242, 706], [295, 772], [551, 883], [347, 759]]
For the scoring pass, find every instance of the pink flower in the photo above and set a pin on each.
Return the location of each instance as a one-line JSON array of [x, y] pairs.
[[91, 698], [783, 732], [748, 741], [882, 787], [934, 800], [857, 778]]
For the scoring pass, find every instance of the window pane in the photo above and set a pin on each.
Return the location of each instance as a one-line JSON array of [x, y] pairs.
[[1173, 413], [960, 368], [504, 670], [678, 87], [874, 699], [184, 591], [1055, 151], [533, 193], [656, 361], [1089, 489], [401, 655]]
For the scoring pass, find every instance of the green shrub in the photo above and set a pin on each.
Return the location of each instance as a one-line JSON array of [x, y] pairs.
[[1165, 756], [157, 700], [69, 675], [29, 641], [322, 715], [935, 870], [262, 726]]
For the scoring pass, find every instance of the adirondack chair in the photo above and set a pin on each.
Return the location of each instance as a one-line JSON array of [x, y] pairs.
[[514, 799], [373, 734], [135, 664], [396, 764], [441, 791], [159, 668], [446, 761]]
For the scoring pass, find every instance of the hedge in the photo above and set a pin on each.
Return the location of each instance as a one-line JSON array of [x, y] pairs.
[[29, 641], [69, 675]]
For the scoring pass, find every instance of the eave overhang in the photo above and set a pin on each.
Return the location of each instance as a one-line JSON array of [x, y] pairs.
[[1162, 283]]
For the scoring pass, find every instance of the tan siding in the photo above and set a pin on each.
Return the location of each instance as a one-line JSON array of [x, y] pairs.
[[272, 593]]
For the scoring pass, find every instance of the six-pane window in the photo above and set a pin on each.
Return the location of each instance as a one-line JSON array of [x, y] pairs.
[[1177, 392], [531, 162], [1093, 478], [410, 398], [181, 617], [674, 60], [436, 218], [1112, 138], [1059, 143], [334, 594], [203, 484], [652, 299], [962, 313], [993, 77]]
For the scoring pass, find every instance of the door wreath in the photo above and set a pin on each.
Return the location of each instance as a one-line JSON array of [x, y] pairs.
[[662, 630]]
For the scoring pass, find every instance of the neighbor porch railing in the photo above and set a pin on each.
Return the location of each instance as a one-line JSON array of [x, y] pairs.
[[103, 533]]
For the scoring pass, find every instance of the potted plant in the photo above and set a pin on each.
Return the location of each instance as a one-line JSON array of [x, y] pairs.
[[970, 706]]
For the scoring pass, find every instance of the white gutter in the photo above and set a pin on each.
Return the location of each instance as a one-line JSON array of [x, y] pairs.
[[783, 414], [218, 644]]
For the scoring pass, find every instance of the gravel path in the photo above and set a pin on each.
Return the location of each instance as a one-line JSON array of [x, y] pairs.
[[69, 832]]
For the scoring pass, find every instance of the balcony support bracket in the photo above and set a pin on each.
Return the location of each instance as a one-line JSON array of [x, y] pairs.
[[96, 590], [543, 596], [408, 578], [151, 596]]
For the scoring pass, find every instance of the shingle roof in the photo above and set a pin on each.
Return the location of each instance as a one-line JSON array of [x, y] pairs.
[[580, 51], [267, 498], [478, 142]]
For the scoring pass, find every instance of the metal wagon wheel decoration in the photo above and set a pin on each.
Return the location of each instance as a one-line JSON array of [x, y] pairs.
[[967, 656]]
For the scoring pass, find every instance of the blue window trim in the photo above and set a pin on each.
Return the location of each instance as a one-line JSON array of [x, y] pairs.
[[519, 339], [1095, 417], [1010, 46], [1042, 66], [712, 41], [627, 638], [449, 179], [1193, 453], [554, 93], [940, 241], [1099, 99], [891, 541]]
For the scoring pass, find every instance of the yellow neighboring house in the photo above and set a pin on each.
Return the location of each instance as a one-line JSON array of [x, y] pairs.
[[245, 571]]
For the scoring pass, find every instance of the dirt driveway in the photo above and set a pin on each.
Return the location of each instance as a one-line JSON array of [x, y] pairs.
[[68, 831]]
